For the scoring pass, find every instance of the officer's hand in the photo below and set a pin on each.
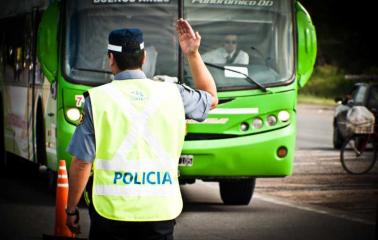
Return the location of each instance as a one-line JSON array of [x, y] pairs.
[[73, 224], [189, 41]]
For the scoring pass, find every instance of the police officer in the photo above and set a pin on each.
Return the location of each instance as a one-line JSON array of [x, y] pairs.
[[131, 139]]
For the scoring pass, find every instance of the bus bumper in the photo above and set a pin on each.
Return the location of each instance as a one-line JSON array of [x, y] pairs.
[[248, 156]]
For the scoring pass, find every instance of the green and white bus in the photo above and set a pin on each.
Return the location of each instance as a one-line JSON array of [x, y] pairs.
[[53, 51]]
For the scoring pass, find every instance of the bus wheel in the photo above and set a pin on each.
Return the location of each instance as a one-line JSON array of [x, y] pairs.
[[237, 192], [3, 153], [49, 174], [40, 137], [51, 180]]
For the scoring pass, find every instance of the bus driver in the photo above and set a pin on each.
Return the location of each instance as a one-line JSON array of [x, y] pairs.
[[228, 54]]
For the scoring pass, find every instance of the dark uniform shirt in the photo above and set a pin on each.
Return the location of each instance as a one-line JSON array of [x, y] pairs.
[[83, 145]]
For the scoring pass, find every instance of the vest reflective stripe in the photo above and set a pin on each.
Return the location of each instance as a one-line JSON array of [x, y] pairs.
[[138, 191], [144, 165], [140, 129], [140, 120]]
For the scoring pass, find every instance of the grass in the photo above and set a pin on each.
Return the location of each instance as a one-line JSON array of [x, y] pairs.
[[312, 99], [326, 83]]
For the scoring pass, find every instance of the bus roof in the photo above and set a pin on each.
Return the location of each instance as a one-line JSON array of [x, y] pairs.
[[17, 7]]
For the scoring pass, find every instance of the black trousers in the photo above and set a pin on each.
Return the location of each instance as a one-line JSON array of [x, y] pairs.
[[103, 228]]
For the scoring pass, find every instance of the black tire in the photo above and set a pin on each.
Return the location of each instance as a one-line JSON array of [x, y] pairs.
[[358, 154], [3, 153], [51, 177], [338, 140], [237, 192], [40, 136]]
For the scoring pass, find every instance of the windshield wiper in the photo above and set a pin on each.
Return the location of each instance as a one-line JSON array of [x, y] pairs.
[[247, 78], [94, 70]]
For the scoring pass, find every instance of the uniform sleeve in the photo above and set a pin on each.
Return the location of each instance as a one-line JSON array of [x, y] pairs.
[[197, 103], [83, 144]]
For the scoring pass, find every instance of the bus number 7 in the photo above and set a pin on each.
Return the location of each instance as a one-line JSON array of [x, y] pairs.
[[79, 100]]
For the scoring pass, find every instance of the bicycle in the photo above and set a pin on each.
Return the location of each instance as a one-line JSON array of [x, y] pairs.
[[358, 153]]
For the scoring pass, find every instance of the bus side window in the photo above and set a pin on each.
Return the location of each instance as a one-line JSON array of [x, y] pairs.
[[28, 44], [14, 45], [2, 52], [36, 19], [9, 71], [30, 37]]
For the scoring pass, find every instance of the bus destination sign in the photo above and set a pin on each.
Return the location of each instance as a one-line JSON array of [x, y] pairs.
[[129, 1], [258, 3]]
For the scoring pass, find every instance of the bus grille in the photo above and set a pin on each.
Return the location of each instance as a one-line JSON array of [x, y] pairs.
[[199, 136]]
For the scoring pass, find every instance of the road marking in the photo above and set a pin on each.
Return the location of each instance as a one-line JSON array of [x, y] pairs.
[[316, 209], [301, 206]]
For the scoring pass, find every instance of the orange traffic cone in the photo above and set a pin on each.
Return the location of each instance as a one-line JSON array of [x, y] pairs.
[[62, 232], [61, 229]]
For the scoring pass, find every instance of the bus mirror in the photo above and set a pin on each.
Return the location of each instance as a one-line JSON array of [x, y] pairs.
[[47, 43], [306, 42]]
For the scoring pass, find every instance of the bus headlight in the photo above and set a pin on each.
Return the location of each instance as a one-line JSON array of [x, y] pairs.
[[257, 123], [271, 120], [284, 116], [73, 114], [244, 126]]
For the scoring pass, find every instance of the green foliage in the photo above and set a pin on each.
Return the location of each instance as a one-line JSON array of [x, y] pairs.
[[327, 81], [309, 99], [373, 70]]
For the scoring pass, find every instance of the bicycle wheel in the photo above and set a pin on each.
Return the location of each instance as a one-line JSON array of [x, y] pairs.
[[358, 154]]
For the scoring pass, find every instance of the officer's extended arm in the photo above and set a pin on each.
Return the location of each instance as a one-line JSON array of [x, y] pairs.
[[78, 178], [189, 43]]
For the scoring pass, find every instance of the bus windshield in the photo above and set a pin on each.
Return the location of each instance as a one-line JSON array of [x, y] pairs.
[[248, 36], [88, 23], [254, 37]]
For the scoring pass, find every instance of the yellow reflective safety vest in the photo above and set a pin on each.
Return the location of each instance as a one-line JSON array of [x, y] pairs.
[[139, 129]]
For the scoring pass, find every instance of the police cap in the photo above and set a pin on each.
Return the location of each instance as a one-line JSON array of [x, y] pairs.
[[126, 40]]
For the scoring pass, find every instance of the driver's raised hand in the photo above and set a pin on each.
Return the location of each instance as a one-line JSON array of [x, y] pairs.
[[189, 40]]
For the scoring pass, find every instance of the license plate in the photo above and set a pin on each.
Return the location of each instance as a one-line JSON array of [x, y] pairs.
[[186, 161]]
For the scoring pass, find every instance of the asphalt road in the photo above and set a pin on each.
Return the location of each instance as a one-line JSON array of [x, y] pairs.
[[27, 212], [314, 124], [205, 217], [27, 207], [318, 181]]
